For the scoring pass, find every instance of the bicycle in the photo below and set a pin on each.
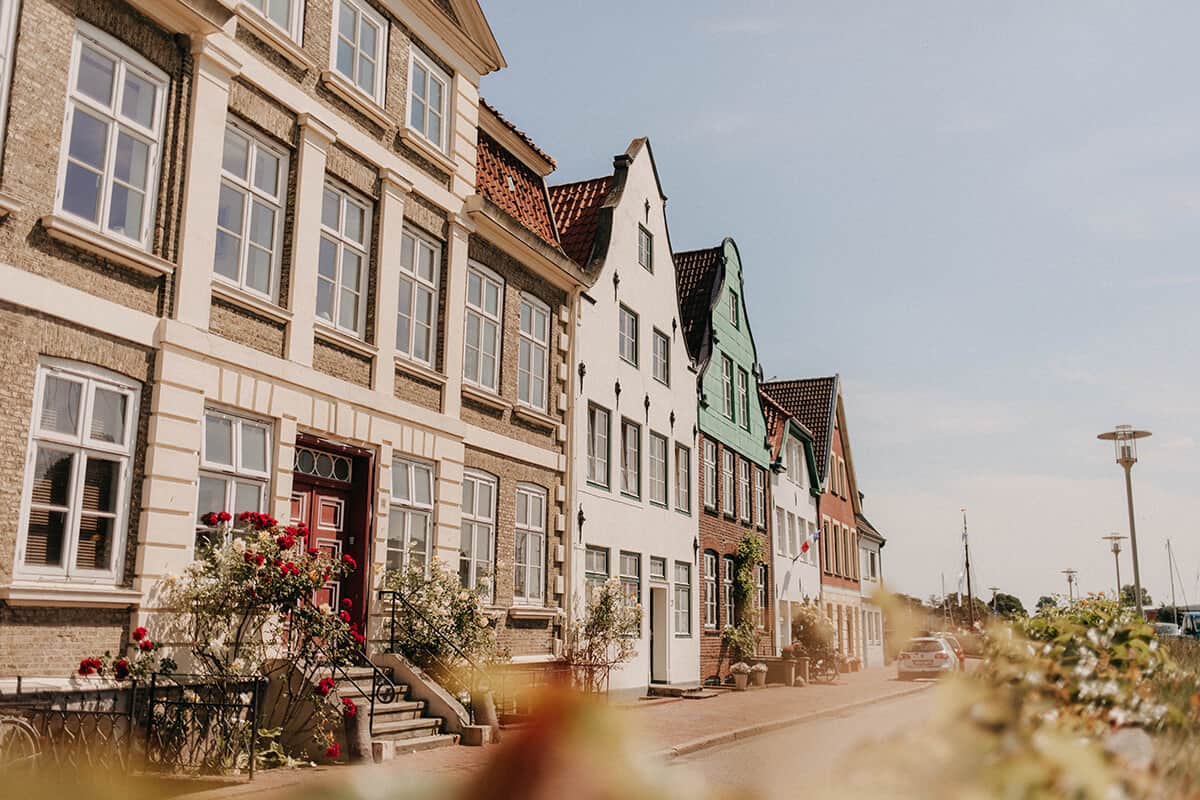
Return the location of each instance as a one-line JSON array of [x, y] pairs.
[[19, 746], [825, 670]]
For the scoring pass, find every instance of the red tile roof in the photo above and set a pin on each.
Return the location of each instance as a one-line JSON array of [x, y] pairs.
[[577, 214], [776, 418], [697, 273], [810, 400], [525, 199], [520, 133]]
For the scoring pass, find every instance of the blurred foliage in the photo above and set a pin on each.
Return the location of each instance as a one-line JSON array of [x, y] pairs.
[[1128, 594], [1008, 605]]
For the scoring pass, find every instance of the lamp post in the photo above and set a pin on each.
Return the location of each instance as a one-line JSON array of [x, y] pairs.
[[1124, 438], [993, 590], [1115, 538], [1070, 573]]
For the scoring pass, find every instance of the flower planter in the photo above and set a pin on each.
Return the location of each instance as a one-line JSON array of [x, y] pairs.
[[802, 664], [760, 677], [740, 680]]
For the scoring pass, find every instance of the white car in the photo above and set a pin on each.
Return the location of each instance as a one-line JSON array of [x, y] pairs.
[[926, 657]]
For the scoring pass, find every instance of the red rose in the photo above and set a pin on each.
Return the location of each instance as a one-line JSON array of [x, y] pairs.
[[347, 602], [224, 516], [121, 669], [146, 645], [326, 686], [286, 542], [313, 551], [349, 561], [344, 616], [259, 558], [210, 519], [358, 637], [85, 666], [333, 751], [349, 708], [138, 634], [248, 557]]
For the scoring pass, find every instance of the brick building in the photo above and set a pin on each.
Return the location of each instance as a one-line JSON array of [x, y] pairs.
[[734, 454], [282, 260]]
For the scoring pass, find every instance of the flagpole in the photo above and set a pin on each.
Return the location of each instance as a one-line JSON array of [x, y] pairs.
[[967, 556]]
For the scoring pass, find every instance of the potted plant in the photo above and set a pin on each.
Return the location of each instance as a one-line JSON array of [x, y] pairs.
[[741, 675], [759, 673]]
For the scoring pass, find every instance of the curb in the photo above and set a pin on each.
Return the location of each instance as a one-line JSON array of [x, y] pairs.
[[717, 739]]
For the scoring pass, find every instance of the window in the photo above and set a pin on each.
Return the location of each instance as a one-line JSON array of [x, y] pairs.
[[728, 570], [420, 266], [744, 489], [631, 458], [250, 213], [710, 589], [8, 35], [658, 469], [645, 248], [845, 484], [76, 495], [743, 391], [683, 479], [410, 516], [533, 360], [728, 479], [658, 568], [110, 154], [795, 462], [343, 260], [683, 598], [760, 498], [481, 357], [710, 474], [780, 528], [734, 309], [727, 386], [627, 336], [359, 52], [873, 565], [529, 569], [631, 578], [598, 435], [285, 14], [595, 569], [826, 543], [476, 550], [763, 600], [662, 358], [427, 92], [234, 466], [793, 538]]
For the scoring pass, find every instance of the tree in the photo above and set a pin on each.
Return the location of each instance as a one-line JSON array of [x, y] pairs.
[[1007, 605], [1045, 602], [1127, 596], [958, 611]]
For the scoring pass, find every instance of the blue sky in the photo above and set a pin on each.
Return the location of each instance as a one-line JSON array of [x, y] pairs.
[[983, 216]]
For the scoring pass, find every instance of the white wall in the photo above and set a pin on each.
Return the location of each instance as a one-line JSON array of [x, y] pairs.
[[615, 521], [797, 574], [872, 637]]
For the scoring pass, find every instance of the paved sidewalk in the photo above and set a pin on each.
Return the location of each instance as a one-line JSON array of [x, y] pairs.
[[670, 728]]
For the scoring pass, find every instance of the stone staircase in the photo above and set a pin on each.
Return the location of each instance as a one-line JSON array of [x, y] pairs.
[[399, 727]]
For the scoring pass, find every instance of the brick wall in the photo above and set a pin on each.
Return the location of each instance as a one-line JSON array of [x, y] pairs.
[[341, 363], [239, 325], [50, 642]]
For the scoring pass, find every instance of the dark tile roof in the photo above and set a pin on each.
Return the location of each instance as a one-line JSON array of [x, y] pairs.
[[696, 274], [526, 200], [577, 214], [776, 418], [810, 400], [522, 134]]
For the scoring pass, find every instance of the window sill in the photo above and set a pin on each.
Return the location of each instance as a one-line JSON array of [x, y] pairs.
[[530, 414], [9, 205], [57, 593], [484, 397], [273, 37], [534, 612], [418, 370], [355, 97], [249, 302], [92, 241], [331, 335], [419, 143]]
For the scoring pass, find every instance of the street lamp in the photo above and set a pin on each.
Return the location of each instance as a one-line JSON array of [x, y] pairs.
[[1070, 573], [993, 590], [1124, 438], [1116, 538]]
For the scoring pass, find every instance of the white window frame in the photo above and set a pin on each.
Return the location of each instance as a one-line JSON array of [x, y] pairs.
[[237, 473], [743, 396], [657, 574], [125, 59], [83, 447], [710, 474], [534, 556], [631, 580], [760, 497], [596, 458], [729, 483], [645, 248], [8, 42], [479, 567], [734, 309], [627, 340], [710, 589], [484, 319], [412, 246], [780, 531], [591, 576], [378, 91], [683, 478], [631, 461], [530, 343], [295, 27], [764, 599], [411, 509], [251, 193], [346, 198], [744, 489], [728, 570], [795, 465], [434, 73], [659, 493], [661, 357], [683, 599], [727, 387]]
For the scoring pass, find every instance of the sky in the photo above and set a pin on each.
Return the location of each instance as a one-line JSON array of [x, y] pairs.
[[983, 216]]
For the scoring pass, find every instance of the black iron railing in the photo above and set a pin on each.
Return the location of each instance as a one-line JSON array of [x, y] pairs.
[[89, 729]]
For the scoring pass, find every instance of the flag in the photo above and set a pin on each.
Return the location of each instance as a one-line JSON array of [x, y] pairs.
[[816, 537], [804, 547]]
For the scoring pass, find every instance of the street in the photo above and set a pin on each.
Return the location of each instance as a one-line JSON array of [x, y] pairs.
[[771, 763]]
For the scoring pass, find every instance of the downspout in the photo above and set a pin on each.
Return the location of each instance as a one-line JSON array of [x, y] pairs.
[[575, 298]]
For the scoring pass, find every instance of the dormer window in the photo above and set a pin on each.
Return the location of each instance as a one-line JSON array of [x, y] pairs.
[[510, 183]]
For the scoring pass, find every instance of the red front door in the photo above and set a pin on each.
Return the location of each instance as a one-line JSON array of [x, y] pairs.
[[324, 511]]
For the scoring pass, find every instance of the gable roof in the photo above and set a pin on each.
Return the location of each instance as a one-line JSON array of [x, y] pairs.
[[813, 401], [699, 275], [521, 135], [865, 527], [526, 201], [776, 419], [576, 208]]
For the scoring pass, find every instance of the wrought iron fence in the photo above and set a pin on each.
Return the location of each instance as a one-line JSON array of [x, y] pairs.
[[91, 730]]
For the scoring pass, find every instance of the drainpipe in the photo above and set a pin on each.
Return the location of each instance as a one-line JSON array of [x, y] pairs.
[[575, 298]]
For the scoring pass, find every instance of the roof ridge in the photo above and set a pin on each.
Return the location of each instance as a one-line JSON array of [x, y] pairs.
[[554, 186], [522, 135]]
